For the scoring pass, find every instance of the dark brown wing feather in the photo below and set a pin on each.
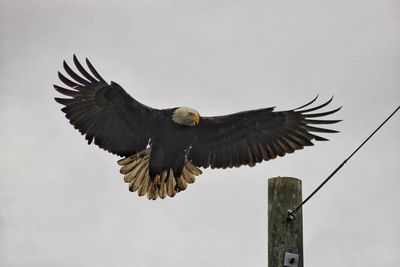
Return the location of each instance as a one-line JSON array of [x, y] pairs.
[[104, 112], [249, 137]]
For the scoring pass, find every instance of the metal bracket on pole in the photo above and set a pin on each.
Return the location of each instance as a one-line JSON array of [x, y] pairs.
[[291, 260], [290, 216]]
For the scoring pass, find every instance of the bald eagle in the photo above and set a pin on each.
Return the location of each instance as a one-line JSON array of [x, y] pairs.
[[163, 149]]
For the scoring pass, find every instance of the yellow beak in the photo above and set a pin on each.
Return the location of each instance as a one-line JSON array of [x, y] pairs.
[[196, 118]]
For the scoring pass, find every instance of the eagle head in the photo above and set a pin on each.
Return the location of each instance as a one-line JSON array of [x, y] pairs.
[[186, 116]]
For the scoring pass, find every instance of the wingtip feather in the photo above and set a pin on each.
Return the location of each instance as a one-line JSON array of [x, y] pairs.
[[309, 103], [94, 71]]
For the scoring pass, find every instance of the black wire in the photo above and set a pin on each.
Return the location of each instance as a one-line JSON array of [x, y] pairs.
[[292, 212]]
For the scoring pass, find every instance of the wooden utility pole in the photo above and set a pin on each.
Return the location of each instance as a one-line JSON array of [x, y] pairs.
[[285, 236]]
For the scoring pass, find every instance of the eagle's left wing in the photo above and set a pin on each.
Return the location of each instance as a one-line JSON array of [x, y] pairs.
[[249, 137]]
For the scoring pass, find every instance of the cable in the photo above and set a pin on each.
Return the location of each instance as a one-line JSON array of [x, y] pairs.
[[291, 213]]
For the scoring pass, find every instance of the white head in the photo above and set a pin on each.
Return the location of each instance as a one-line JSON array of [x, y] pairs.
[[186, 116]]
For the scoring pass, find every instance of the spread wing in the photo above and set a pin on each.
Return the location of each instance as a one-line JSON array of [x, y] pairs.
[[249, 137], [104, 112]]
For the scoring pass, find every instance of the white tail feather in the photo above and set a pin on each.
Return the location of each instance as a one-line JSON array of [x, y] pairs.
[[163, 190], [136, 172]]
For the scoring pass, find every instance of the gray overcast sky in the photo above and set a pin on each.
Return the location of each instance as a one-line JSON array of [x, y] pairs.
[[63, 203]]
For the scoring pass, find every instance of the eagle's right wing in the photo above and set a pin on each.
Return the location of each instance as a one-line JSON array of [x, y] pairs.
[[105, 113]]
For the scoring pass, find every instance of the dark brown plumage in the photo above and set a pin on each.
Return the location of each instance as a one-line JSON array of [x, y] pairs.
[[163, 149]]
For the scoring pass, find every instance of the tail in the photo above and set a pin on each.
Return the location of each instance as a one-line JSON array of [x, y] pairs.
[[136, 172]]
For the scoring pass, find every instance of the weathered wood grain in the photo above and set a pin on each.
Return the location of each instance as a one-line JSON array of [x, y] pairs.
[[284, 193]]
